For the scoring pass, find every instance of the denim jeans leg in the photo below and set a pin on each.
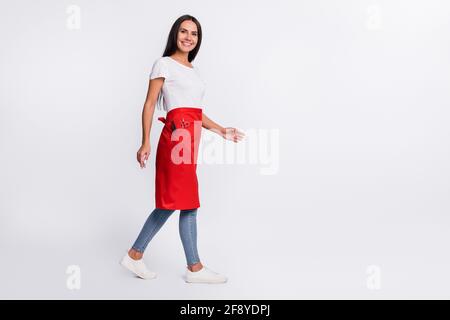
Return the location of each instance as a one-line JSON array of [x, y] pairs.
[[151, 226], [188, 235]]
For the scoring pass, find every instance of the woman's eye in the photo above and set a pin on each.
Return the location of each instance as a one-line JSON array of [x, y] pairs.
[[183, 31]]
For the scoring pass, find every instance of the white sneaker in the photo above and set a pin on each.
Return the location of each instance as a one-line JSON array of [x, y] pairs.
[[138, 267], [204, 275]]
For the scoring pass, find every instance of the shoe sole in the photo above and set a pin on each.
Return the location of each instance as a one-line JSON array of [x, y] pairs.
[[135, 273], [203, 281]]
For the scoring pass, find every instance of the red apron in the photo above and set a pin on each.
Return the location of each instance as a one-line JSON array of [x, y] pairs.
[[176, 184]]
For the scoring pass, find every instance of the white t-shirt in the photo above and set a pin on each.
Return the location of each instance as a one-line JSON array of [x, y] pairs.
[[182, 86]]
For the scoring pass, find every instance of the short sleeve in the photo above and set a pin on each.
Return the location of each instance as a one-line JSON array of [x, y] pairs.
[[159, 69]]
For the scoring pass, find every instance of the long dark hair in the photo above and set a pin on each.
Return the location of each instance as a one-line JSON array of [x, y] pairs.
[[171, 46]]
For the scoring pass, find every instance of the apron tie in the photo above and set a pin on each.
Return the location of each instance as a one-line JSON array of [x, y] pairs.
[[183, 123], [164, 120]]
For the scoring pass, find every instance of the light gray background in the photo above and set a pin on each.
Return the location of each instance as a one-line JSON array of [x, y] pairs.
[[359, 91]]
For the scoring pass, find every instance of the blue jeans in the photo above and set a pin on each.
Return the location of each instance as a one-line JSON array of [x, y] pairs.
[[187, 228]]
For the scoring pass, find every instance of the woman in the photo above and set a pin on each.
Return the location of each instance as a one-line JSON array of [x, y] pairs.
[[176, 86]]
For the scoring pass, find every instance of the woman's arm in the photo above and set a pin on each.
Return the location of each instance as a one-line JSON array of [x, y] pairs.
[[154, 86], [207, 123], [228, 133]]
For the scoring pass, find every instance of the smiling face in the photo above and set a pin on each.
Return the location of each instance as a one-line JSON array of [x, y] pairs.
[[187, 36]]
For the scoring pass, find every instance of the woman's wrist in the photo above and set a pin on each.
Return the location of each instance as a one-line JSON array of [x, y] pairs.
[[222, 131], [219, 130]]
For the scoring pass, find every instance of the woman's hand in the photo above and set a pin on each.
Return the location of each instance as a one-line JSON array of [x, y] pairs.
[[233, 134], [228, 133], [142, 154]]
